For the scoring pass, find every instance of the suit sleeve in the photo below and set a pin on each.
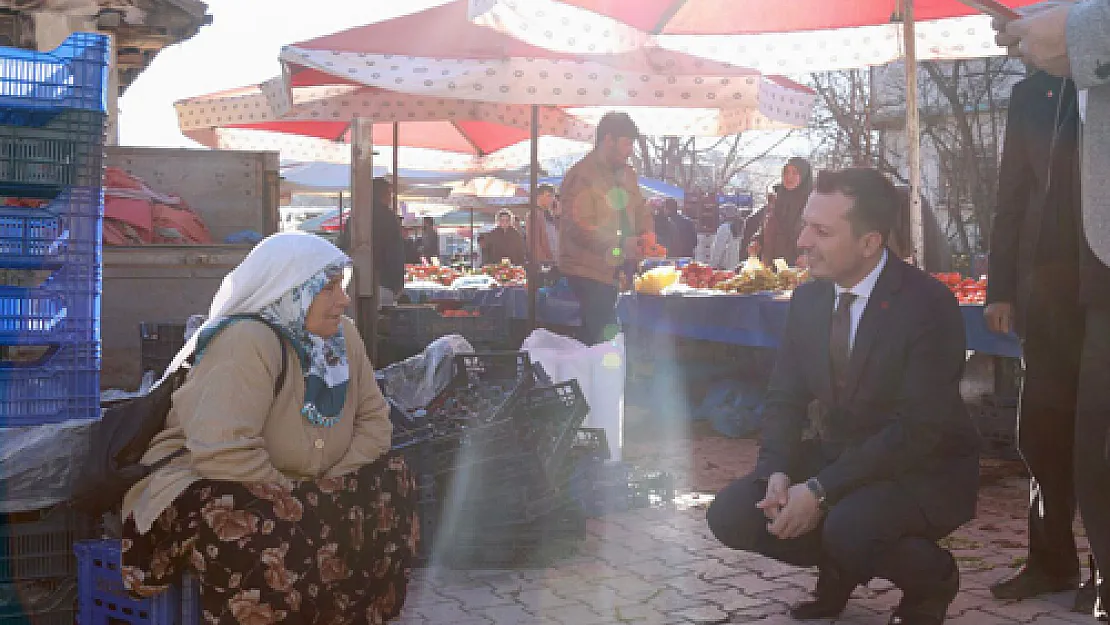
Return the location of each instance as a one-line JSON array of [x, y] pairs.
[[1015, 186], [788, 398], [1088, 34], [934, 365], [226, 402], [372, 429]]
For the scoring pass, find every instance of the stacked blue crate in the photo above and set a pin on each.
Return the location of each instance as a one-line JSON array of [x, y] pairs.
[[103, 600], [52, 120]]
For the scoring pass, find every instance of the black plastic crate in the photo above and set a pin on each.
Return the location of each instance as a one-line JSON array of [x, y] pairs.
[[66, 152], [996, 419], [551, 416], [39, 545], [38, 602], [421, 324], [483, 389], [599, 488], [158, 344]]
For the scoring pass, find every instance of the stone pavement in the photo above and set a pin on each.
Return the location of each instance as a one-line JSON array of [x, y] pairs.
[[661, 565]]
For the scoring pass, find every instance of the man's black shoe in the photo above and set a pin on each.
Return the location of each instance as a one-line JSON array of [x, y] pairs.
[[928, 607], [1031, 582], [830, 597], [1087, 594]]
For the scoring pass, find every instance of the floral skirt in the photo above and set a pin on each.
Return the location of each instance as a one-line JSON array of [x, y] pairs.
[[333, 550]]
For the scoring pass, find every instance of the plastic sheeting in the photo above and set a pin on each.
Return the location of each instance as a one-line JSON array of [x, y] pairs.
[[37, 464], [414, 382]]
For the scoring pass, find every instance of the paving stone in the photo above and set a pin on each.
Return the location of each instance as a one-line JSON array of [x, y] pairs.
[[705, 614], [540, 600], [1023, 611], [580, 615], [510, 615], [639, 614], [476, 598], [713, 569], [670, 601], [978, 617], [731, 600], [751, 584], [854, 614], [448, 613], [636, 587], [654, 570], [692, 585]]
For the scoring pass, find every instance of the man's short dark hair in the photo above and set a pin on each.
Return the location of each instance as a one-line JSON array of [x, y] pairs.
[[616, 124], [545, 188], [506, 212], [875, 200], [670, 204]]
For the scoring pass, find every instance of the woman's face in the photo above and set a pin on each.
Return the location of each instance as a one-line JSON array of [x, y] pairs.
[[327, 308], [791, 177]]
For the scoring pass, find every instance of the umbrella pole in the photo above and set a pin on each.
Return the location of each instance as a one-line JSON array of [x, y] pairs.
[[473, 235], [913, 134], [396, 189], [362, 240], [533, 271]]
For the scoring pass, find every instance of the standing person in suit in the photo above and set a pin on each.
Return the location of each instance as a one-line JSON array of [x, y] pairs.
[[1034, 289], [1072, 40], [894, 466]]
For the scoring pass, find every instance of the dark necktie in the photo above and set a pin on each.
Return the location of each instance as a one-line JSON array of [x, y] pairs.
[[840, 339]]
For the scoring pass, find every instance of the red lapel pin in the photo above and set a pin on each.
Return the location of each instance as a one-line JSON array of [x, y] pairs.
[[884, 304]]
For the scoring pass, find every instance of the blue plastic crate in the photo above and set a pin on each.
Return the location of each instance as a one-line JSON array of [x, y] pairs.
[[59, 385], [63, 309], [102, 599], [36, 86], [68, 151], [65, 230]]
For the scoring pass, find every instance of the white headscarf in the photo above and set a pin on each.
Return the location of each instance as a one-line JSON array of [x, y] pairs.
[[279, 263]]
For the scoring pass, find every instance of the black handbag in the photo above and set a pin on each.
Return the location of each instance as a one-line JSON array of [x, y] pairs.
[[123, 435]]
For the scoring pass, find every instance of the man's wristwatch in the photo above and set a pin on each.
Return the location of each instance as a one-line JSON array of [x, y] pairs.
[[818, 491]]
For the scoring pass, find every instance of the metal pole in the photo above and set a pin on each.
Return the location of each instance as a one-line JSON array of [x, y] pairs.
[[533, 271], [913, 134], [362, 228], [396, 187]]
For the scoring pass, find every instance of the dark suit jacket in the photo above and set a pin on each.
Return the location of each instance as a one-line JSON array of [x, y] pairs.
[[901, 416], [1035, 246]]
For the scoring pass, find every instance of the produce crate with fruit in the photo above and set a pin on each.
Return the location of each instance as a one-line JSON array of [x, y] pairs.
[[966, 290], [419, 325]]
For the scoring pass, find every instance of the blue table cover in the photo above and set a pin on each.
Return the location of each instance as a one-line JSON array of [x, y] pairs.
[[759, 320], [749, 320]]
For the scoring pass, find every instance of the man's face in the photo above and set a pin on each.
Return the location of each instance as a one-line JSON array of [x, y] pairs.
[[546, 200], [385, 195], [617, 150], [504, 221], [833, 250]]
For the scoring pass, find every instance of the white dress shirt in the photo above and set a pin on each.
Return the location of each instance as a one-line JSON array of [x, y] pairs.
[[862, 291]]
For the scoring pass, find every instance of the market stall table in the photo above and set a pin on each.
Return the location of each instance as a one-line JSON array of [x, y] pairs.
[[759, 320], [554, 306]]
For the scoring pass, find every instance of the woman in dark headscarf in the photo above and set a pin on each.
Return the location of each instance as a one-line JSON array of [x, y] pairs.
[[779, 237]]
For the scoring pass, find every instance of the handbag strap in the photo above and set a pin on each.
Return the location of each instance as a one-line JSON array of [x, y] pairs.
[[279, 383]]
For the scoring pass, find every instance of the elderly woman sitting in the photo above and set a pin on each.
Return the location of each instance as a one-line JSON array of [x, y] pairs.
[[288, 507]]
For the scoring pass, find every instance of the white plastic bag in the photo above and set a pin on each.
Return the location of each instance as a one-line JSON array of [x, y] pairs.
[[599, 371]]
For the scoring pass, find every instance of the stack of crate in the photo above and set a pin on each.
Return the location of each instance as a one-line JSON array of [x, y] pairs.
[[52, 124], [52, 121]]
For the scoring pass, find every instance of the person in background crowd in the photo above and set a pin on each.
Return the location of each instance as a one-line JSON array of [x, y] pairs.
[[779, 236], [683, 236], [1034, 289], [873, 354], [1072, 40], [543, 229], [660, 221], [938, 253], [412, 250], [389, 243], [504, 241], [290, 504], [727, 251], [429, 240], [603, 214]]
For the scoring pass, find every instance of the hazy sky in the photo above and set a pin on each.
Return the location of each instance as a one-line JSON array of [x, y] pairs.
[[239, 48]]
